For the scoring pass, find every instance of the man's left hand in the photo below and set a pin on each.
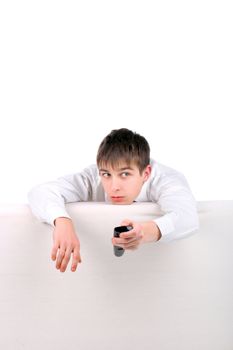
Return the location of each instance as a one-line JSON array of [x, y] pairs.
[[131, 239]]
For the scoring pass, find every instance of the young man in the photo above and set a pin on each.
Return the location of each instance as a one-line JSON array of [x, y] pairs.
[[124, 173]]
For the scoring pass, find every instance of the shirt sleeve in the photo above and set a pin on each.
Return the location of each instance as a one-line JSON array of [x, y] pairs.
[[47, 201], [172, 193]]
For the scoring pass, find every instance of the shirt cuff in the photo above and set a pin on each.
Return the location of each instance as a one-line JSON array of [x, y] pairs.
[[166, 226], [55, 212]]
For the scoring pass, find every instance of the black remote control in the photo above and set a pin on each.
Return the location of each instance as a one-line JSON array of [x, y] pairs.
[[118, 251]]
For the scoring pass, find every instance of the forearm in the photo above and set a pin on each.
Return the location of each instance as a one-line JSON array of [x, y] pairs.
[[151, 231]]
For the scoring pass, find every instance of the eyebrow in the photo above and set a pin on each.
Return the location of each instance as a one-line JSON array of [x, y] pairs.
[[126, 168]]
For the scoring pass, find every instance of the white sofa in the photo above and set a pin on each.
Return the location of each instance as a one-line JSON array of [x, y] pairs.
[[165, 296]]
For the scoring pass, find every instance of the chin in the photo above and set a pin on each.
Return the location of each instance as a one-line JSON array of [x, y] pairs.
[[122, 203]]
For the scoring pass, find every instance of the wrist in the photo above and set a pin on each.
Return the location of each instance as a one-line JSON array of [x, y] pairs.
[[151, 232], [61, 220]]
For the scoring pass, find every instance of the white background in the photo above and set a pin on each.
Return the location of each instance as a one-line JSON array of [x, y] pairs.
[[71, 71]]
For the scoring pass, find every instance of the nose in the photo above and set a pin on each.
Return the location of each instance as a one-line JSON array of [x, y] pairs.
[[115, 184]]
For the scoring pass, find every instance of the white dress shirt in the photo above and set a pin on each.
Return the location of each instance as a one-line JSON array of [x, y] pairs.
[[166, 187]]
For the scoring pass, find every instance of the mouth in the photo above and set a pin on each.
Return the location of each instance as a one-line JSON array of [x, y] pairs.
[[117, 198]]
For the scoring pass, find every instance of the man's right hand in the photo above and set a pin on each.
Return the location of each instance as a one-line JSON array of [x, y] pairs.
[[65, 243]]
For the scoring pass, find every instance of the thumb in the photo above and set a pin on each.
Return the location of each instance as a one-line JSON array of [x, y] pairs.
[[126, 222]]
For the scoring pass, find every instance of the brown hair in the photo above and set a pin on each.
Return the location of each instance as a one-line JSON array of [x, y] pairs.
[[123, 145]]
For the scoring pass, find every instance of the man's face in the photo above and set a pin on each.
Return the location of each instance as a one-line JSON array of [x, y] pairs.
[[123, 185]]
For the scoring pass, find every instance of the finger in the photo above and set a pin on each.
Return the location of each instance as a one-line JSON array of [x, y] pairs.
[[66, 259], [122, 240], [54, 251], [128, 243], [132, 245], [135, 232], [129, 234], [60, 257], [134, 239], [126, 246], [76, 259], [132, 248]]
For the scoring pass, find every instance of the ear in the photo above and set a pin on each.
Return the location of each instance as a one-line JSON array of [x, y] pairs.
[[146, 173]]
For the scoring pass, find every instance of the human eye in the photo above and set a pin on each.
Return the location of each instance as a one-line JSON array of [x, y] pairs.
[[105, 174], [125, 173]]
